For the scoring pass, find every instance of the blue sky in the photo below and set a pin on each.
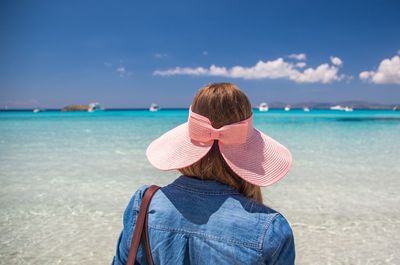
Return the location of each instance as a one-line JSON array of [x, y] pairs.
[[132, 53]]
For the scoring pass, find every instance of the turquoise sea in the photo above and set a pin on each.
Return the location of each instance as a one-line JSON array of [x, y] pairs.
[[66, 178]]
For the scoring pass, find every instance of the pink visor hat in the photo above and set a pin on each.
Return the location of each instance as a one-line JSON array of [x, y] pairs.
[[254, 156]]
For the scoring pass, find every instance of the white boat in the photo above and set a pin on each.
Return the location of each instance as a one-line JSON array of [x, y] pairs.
[[306, 109], [348, 109], [395, 108], [263, 107], [36, 110], [287, 108], [337, 107], [153, 107], [94, 106]]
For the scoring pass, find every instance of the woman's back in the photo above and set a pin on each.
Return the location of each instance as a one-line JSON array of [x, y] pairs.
[[217, 217], [193, 221]]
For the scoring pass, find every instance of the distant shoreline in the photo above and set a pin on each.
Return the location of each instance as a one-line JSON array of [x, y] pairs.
[[146, 109], [356, 105]]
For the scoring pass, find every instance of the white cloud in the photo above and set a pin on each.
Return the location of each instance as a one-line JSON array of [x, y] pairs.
[[108, 64], [205, 53], [182, 71], [270, 69], [336, 60], [324, 73], [122, 71], [301, 64], [160, 55], [388, 72], [298, 56], [275, 69], [366, 75]]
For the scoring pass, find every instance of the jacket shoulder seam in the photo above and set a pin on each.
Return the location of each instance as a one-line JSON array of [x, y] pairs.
[[266, 227]]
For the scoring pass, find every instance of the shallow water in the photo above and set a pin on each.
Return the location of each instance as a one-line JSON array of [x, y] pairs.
[[66, 178]]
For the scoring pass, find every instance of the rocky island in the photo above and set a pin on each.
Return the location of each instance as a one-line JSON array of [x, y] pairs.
[[79, 107]]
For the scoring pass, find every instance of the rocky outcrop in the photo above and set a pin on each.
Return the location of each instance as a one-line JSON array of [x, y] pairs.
[[76, 108]]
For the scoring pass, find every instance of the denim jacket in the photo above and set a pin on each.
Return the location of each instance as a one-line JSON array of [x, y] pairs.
[[193, 221]]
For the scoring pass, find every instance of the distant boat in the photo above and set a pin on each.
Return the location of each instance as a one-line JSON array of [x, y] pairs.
[[395, 108], [337, 107], [287, 108], [94, 107], [306, 109], [348, 109], [36, 110], [153, 107], [263, 107]]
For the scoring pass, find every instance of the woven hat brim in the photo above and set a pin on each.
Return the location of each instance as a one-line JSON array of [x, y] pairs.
[[261, 161], [174, 149]]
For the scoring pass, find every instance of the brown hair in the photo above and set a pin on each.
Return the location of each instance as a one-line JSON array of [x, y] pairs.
[[222, 104]]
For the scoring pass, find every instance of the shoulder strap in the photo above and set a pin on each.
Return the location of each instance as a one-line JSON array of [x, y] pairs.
[[141, 224]]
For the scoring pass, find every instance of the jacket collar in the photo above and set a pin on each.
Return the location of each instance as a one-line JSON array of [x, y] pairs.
[[196, 184]]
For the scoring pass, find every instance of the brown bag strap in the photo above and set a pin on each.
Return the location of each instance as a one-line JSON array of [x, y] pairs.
[[141, 224]]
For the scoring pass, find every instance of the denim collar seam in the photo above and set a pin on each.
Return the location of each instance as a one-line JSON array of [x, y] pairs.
[[208, 192], [205, 236]]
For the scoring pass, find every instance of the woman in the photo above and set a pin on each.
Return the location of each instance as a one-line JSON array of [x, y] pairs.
[[214, 212]]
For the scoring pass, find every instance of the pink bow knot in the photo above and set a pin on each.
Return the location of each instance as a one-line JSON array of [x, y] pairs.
[[215, 135], [201, 130]]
